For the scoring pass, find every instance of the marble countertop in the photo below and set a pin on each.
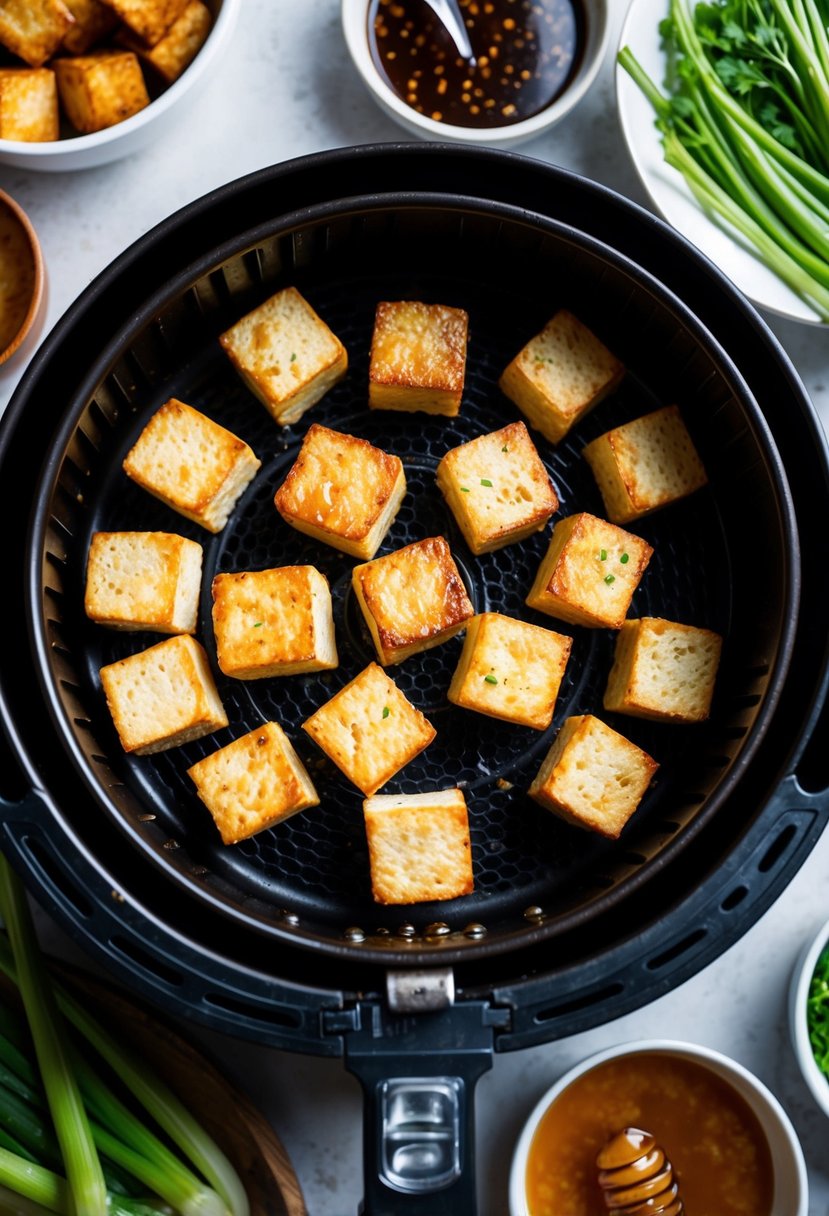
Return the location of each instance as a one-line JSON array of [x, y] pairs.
[[285, 88]]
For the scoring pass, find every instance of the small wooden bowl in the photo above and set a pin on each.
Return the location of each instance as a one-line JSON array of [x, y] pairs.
[[22, 277]]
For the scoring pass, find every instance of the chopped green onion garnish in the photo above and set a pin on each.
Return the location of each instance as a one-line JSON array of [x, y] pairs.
[[485, 481], [603, 555], [258, 624], [490, 679], [505, 448], [624, 559], [464, 489], [386, 711], [293, 356], [610, 578]]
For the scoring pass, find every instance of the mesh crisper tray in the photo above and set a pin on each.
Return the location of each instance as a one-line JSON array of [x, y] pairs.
[[311, 874]]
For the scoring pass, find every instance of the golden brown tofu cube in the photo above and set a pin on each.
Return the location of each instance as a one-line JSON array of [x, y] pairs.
[[510, 670], [176, 49], [94, 21], [273, 622], [559, 375], [253, 783], [143, 580], [497, 488], [418, 846], [28, 105], [418, 357], [343, 491], [369, 729], [412, 599], [593, 777], [286, 354], [664, 671], [192, 464], [590, 572], [645, 464], [33, 29], [163, 697], [100, 90], [149, 19]]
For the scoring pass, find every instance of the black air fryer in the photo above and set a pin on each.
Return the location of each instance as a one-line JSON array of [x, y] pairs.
[[277, 939]]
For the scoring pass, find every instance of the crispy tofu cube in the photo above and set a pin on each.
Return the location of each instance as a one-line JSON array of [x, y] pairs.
[[559, 375], [343, 491], [510, 670], [286, 354], [163, 697], [253, 783], [100, 90], [143, 580], [664, 671], [593, 777], [412, 599], [148, 19], [418, 846], [369, 729], [590, 572], [497, 488], [29, 105], [192, 464], [33, 29], [176, 49], [418, 357], [645, 464], [94, 21], [273, 622]]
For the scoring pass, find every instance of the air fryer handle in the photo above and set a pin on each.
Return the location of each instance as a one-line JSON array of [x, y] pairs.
[[418, 1075]]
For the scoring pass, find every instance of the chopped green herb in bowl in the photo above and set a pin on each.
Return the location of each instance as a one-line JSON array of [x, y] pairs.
[[817, 1012], [809, 1015]]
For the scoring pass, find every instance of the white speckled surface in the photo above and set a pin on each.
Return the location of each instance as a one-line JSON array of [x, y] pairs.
[[286, 88]]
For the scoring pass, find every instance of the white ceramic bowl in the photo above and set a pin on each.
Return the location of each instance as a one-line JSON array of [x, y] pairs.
[[149, 124], [355, 28], [791, 1190], [802, 974]]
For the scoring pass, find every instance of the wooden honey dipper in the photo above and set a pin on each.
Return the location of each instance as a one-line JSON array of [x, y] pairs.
[[636, 1177]]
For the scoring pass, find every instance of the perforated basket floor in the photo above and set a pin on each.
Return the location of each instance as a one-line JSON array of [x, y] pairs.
[[511, 277]]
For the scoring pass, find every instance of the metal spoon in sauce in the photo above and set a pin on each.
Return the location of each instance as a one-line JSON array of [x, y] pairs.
[[636, 1177], [449, 15]]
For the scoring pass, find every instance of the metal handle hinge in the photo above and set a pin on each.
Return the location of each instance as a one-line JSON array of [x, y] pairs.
[[420, 991]]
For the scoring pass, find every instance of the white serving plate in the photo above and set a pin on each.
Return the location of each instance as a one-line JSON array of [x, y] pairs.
[[666, 186]]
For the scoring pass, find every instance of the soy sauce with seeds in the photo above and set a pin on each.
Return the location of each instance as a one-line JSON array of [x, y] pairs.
[[526, 51]]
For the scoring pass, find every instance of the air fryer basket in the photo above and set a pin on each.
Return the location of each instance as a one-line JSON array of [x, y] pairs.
[[726, 558]]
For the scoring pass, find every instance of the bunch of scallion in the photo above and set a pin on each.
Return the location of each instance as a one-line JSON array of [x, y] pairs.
[[86, 1129], [745, 120]]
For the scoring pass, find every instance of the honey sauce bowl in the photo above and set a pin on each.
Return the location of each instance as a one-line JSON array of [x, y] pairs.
[[730, 1144], [22, 280], [533, 61]]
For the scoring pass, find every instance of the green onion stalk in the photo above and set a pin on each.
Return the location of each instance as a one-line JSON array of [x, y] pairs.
[[142, 1175], [745, 120], [83, 1168]]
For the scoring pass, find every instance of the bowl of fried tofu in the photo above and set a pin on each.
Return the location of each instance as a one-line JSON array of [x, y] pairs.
[[85, 82]]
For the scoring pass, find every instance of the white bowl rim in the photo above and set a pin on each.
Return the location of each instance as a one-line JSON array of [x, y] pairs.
[[56, 148], [695, 1051], [802, 973], [354, 14]]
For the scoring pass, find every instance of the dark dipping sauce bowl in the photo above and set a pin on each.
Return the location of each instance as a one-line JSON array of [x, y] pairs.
[[533, 61]]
